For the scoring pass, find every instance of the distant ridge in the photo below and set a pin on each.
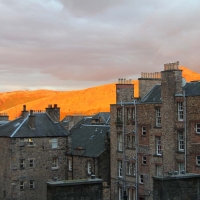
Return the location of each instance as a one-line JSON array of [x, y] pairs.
[[80, 102]]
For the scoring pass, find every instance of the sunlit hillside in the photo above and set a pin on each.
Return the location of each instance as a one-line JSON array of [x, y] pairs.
[[87, 101]]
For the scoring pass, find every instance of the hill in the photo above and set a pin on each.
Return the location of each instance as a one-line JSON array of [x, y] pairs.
[[85, 102]]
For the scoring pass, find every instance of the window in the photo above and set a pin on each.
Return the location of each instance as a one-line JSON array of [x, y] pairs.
[[180, 111], [21, 185], [120, 193], [54, 142], [119, 142], [22, 163], [198, 160], [131, 169], [31, 184], [70, 164], [89, 166], [119, 168], [158, 117], [21, 142], [119, 114], [144, 160], [133, 113], [158, 145], [30, 141], [131, 194], [31, 163], [54, 163], [181, 167], [128, 114], [197, 128], [180, 141], [141, 179], [130, 141], [144, 131], [158, 170]]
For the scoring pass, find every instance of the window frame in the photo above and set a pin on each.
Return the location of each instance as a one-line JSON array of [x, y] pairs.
[[181, 167], [198, 160], [144, 160], [70, 164], [158, 170], [158, 145], [180, 111], [31, 184], [141, 179], [119, 142], [30, 142], [54, 163], [120, 193], [181, 141], [197, 128], [120, 168], [54, 143], [144, 131], [158, 117], [21, 185], [130, 169], [32, 165], [22, 163], [89, 167], [21, 142]]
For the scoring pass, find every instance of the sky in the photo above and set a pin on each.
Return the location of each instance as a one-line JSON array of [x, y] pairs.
[[75, 44]]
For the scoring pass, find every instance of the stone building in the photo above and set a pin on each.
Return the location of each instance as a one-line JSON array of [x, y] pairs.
[[155, 135], [32, 151], [89, 154]]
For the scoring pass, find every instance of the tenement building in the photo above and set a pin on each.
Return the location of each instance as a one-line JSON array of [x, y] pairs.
[[32, 151], [155, 138]]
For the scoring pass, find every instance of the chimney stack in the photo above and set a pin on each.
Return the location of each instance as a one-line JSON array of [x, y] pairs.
[[31, 120], [53, 112], [24, 112]]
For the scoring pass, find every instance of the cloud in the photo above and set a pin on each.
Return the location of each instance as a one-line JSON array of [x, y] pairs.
[[73, 44]]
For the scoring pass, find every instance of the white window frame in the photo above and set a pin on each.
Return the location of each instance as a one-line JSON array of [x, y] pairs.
[[158, 170], [31, 184], [119, 142], [198, 160], [181, 167], [144, 131], [144, 160], [70, 164], [54, 163], [21, 185], [31, 163], [119, 168], [131, 169], [120, 193], [133, 113], [158, 145], [22, 163], [128, 113], [54, 143], [89, 167], [141, 179], [181, 142], [158, 117], [198, 128], [30, 142], [180, 111]]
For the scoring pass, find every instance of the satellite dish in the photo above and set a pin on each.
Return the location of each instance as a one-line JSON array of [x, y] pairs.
[[183, 82]]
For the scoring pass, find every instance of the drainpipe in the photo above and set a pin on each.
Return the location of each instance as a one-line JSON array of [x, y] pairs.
[[185, 131]]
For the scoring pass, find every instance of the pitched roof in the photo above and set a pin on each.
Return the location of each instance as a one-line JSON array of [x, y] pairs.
[[44, 127], [154, 95], [91, 138]]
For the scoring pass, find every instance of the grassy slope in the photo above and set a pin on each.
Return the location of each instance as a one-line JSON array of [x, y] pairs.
[[87, 101]]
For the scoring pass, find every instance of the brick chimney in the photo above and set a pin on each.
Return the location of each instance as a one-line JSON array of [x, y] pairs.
[[124, 90], [31, 120], [147, 82], [53, 112], [24, 112]]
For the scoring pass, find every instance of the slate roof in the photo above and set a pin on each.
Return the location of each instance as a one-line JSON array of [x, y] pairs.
[[154, 95], [45, 127], [90, 138], [105, 116]]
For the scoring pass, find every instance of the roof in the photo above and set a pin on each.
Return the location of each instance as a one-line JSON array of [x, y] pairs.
[[91, 138], [105, 116], [44, 127], [154, 95]]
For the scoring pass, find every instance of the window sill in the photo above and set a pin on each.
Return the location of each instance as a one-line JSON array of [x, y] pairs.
[[119, 151], [141, 183], [31, 145], [157, 155], [180, 152], [144, 135], [157, 127], [144, 164], [54, 168], [131, 148], [130, 175]]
